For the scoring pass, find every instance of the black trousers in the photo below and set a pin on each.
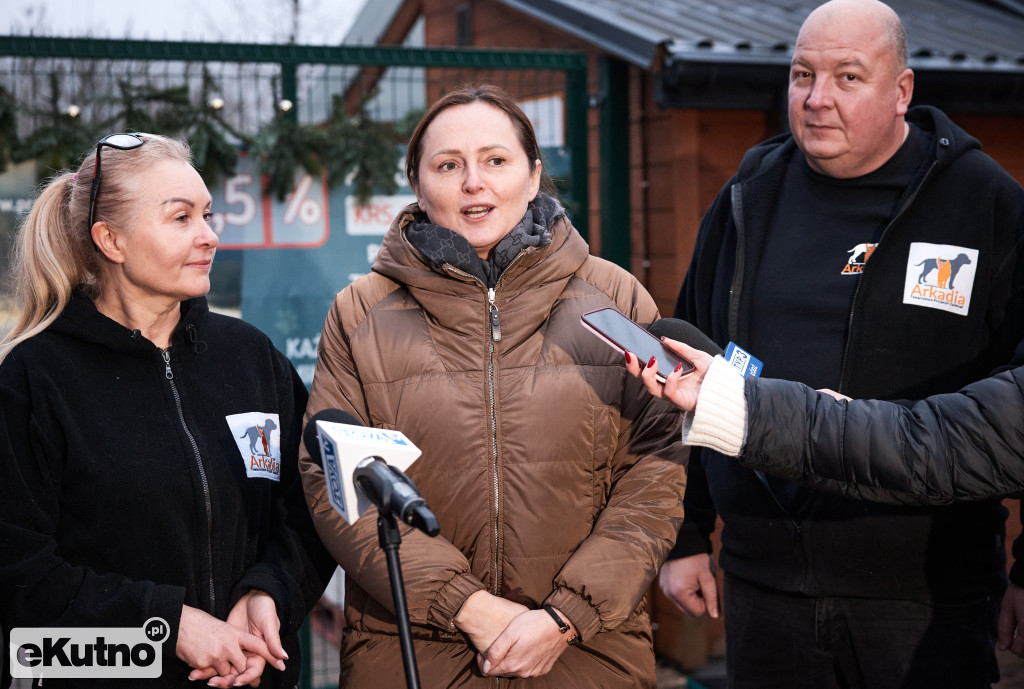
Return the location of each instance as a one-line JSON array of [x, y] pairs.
[[783, 641]]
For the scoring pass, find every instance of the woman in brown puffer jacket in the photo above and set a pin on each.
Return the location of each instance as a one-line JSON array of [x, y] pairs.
[[557, 480]]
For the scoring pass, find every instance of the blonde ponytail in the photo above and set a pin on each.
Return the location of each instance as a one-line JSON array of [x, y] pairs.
[[47, 261]]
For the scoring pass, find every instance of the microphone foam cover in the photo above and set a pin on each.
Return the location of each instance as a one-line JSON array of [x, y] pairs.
[[683, 331], [310, 437]]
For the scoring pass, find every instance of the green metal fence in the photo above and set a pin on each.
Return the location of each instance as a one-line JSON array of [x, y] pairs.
[[66, 93], [105, 80]]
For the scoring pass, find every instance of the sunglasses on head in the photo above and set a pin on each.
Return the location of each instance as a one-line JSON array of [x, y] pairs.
[[122, 142]]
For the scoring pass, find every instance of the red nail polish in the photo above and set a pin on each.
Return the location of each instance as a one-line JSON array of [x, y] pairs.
[[627, 358], [651, 362], [678, 368]]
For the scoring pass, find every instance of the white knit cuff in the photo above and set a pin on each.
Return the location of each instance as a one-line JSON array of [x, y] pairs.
[[720, 419]]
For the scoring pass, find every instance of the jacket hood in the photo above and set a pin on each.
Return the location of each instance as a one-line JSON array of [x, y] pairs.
[[950, 142], [83, 321]]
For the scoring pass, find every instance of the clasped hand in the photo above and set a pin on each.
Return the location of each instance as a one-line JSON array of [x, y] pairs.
[[232, 653], [511, 640]]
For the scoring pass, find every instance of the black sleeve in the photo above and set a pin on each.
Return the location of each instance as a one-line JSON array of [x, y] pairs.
[[962, 446]]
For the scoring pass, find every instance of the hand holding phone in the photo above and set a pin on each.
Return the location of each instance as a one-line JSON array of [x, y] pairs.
[[624, 335]]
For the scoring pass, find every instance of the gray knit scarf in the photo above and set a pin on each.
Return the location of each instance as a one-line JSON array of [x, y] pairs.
[[443, 246]]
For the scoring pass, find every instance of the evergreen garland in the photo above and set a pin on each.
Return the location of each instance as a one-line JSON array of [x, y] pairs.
[[171, 112], [60, 141], [285, 146], [361, 146], [214, 155], [347, 146], [157, 111]]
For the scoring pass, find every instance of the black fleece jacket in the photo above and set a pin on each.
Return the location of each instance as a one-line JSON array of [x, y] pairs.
[[125, 494], [837, 546]]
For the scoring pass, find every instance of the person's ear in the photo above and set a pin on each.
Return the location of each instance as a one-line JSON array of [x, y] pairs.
[[108, 241], [904, 91], [535, 178]]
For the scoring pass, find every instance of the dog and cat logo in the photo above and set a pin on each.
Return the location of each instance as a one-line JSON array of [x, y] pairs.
[[859, 256], [947, 270], [940, 276], [259, 443]]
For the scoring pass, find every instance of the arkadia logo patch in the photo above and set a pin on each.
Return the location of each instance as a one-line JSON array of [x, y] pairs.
[[89, 652], [940, 276], [259, 443]]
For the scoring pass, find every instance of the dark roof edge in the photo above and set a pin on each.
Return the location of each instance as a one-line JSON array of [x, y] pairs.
[[708, 83], [675, 52], [1015, 6], [601, 34]]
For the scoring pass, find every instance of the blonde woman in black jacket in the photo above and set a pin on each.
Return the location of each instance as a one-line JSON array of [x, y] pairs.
[[147, 446]]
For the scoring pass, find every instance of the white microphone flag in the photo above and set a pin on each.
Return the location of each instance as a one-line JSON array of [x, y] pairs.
[[343, 447]]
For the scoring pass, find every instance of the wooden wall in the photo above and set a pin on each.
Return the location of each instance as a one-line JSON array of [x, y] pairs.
[[1000, 137]]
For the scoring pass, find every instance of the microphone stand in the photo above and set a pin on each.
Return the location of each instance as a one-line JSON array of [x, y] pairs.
[[390, 538]]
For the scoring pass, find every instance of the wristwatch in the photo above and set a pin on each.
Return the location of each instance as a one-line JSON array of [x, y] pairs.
[[563, 626]]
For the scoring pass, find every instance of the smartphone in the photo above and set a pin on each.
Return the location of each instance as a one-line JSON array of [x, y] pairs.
[[626, 336]]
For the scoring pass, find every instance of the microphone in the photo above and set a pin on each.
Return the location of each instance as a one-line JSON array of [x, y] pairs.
[[390, 489], [382, 484], [685, 332], [688, 333], [310, 436]]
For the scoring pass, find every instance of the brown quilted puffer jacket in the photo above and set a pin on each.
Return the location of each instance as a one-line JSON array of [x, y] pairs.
[[555, 477]]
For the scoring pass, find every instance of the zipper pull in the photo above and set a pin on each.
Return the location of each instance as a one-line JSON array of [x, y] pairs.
[[167, 364], [495, 321], [192, 335]]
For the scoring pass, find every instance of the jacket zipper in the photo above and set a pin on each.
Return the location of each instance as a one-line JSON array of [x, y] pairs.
[[734, 318], [737, 275], [495, 323], [856, 290], [202, 473], [494, 326]]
